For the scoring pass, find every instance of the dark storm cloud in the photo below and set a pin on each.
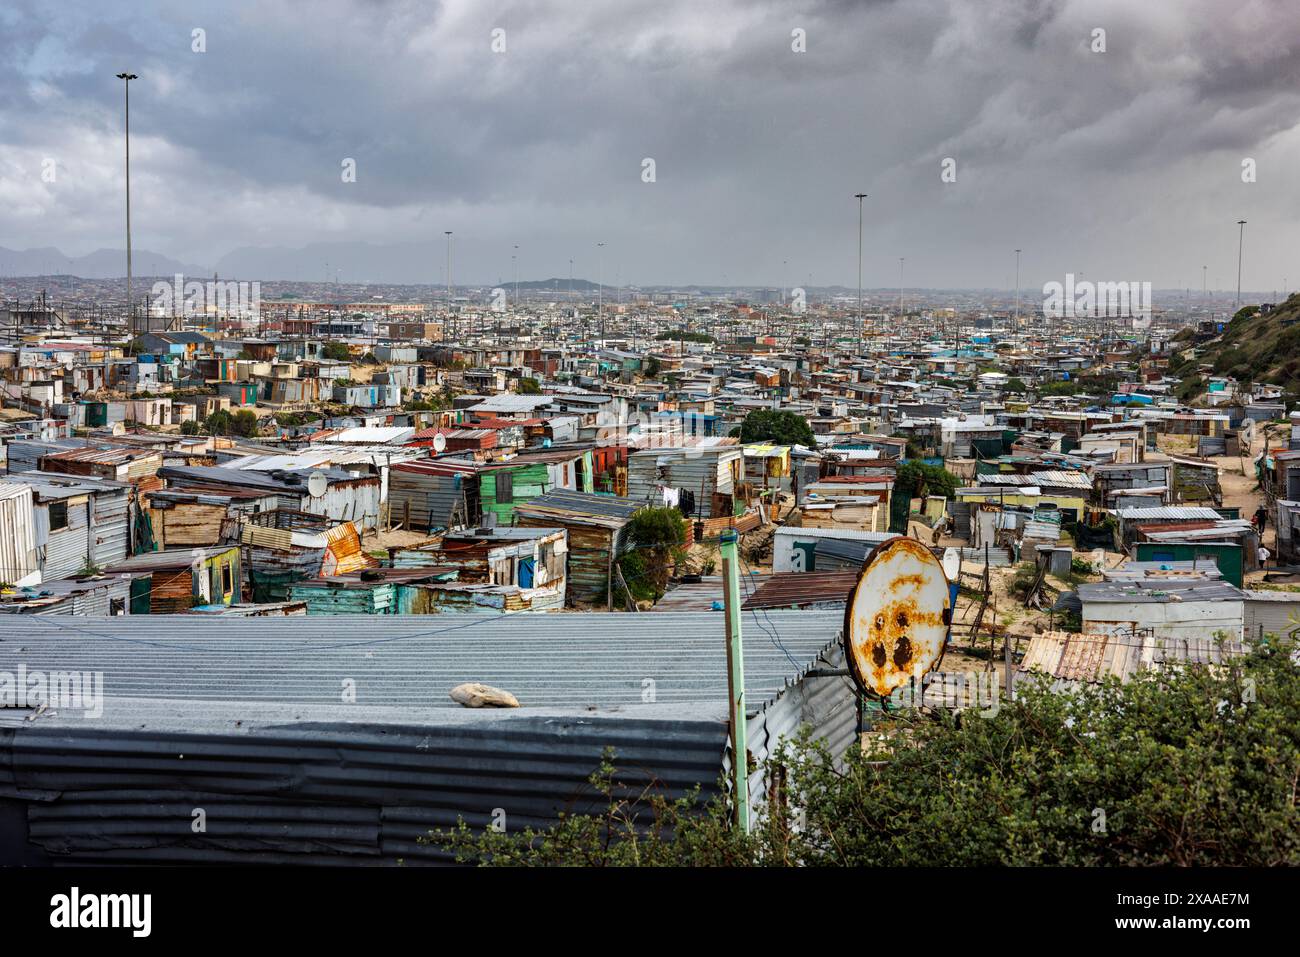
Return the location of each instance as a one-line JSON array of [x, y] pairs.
[[1095, 162]]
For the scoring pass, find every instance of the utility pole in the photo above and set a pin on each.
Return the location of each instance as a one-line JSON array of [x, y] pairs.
[[1241, 237], [860, 197], [735, 681], [514, 261], [126, 79]]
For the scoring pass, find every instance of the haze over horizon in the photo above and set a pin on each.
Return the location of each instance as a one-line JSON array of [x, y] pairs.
[[1118, 165]]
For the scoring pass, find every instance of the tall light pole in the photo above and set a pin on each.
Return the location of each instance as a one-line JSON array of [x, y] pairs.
[[859, 197], [570, 283], [1241, 236], [1017, 288], [126, 79], [900, 286], [448, 232], [600, 290], [514, 261]]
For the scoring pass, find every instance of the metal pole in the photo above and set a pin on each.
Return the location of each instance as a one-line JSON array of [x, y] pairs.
[[859, 197], [448, 232], [130, 304], [1017, 288], [736, 680], [600, 290], [1241, 236], [900, 286]]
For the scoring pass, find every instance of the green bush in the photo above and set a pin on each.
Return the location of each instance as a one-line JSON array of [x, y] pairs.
[[1190, 766], [657, 536]]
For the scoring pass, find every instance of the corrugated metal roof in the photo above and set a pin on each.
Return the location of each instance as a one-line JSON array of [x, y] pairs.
[[554, 660], [562, 504], [1149, 591], [798, 589], [1176, 512]]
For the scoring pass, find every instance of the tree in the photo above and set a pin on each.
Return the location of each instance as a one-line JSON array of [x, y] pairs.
[[336, 351], [651, 367], [191, 427], [657, 535], [1015, 385], [218, 423], [1187, 766], [529, 386], [777, 426], [917, 479]]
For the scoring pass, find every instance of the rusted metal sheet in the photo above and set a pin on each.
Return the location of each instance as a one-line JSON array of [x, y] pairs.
[[800, 589], [896, 621]]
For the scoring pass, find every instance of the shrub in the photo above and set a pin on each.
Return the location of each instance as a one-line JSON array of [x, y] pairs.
[[1190, 766]]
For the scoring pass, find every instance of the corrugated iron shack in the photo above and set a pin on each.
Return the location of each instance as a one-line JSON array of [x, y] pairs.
[[172, 581], [79, 521], [360, 782], [597, 527]]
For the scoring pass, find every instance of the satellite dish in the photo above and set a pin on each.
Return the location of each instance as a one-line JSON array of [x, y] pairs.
[[952, 563], [896, 621], [317, 484], [439, 442]]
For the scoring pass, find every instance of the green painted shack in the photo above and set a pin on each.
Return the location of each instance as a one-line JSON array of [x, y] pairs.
[[528, 475], [1227, 555]]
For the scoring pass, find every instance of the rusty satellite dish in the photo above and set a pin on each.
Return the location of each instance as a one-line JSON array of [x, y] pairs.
[[896, 621]]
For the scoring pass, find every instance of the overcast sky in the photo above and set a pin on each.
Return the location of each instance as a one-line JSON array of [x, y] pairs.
[[1123, 164]]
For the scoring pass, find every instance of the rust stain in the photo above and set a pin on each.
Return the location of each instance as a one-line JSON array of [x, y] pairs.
[[897, 640]]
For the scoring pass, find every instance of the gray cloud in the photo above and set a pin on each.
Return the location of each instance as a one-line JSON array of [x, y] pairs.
[[1125, 163]]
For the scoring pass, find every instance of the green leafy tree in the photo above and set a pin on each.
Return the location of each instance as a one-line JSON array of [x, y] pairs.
[[191, 427], [528, 386], [780, 427], [657, 536], [336, 351], [917, 479], [218, 423], [1016, 385]]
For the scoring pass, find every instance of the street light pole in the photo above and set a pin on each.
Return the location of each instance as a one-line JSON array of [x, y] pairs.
[[1017, 288], [514, 260], [900, 287], [860, 197], [1241, 236], [600, 290], [126, 79], [449, 322]]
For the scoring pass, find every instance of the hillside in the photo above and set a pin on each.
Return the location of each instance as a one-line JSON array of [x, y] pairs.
[[1254, 349]]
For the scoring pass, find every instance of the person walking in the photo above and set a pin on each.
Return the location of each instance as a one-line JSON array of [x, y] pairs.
[[1263, 557]]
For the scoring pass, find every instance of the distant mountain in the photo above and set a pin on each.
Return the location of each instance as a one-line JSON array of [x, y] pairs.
[[101, 264], [398, 263]]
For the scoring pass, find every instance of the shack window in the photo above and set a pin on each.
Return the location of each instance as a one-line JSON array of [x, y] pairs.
[[58, 515], [505, 487], [227, 580], [117, 606]]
